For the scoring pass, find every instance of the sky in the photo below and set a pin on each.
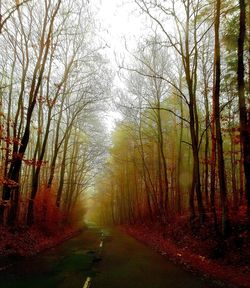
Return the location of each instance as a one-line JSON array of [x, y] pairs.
[[120, 22]]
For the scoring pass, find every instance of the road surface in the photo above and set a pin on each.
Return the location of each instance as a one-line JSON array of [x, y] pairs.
[[120, 262]]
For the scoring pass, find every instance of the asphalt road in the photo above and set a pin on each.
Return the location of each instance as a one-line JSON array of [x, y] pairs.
[[127, 263], [65, 266], [121, 262]]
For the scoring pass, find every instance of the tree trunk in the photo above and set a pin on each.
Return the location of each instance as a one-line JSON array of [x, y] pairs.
[[179, 165], [216, 106], [62, 172], [244, 123]]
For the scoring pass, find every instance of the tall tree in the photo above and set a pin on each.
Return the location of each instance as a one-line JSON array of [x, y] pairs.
[[189, 36], [216, 114], [244, 119], [16, 164]]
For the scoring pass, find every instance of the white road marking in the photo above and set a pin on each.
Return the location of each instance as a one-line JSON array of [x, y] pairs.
[[87, 283], [88, 280]]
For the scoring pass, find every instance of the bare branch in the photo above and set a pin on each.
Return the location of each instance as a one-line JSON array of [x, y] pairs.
[[12, 10]]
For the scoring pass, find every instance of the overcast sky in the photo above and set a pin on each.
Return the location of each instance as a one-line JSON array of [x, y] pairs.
[[119, 20]]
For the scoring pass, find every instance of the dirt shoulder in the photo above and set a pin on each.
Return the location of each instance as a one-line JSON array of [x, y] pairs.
[[233, 275]]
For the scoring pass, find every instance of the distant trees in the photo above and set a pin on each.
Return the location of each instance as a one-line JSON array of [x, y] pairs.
[[52, 79]]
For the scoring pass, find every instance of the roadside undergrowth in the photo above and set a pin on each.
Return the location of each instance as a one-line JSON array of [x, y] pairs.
[[22, 241]]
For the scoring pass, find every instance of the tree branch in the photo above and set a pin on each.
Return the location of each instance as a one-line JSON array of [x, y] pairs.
[[13, 9]]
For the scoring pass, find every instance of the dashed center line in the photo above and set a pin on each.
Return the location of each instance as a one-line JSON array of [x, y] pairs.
[[87, 283], [88, 280]]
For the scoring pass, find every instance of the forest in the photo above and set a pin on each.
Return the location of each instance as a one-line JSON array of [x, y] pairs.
[[53, 81], [182, 147], [178, 159]]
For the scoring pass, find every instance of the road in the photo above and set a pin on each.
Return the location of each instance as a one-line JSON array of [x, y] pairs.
[[122, 262]]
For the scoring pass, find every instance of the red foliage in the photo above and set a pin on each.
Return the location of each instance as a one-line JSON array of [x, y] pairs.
[[31, 162], [11, 140], [8, 182], [48, 216], [50, 227], [27, 242]]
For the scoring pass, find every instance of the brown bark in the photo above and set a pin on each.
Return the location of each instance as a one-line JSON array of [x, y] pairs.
[[216, 112], [244, 121]]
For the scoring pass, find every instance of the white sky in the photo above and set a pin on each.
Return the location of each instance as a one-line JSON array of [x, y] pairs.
[[119, 20]]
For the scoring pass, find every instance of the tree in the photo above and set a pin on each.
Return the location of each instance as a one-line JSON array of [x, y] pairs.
[[16, 164], [244, 121], [187, 48], [216, 114], [53, 78]]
